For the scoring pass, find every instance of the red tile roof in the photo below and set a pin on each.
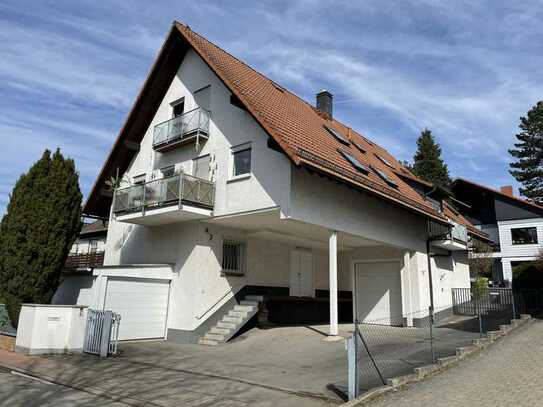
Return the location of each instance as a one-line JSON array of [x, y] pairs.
[[296, 126], [450, 212], [300, 130]]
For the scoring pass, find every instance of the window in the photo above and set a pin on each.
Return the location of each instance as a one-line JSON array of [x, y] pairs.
[[138, 179], [337, 135], [524, 235], [359, 146], [384, 177], [241, 158], [168, 171], [354, 162], [233, 257], [200, 167], [384, 161], [178, 107]]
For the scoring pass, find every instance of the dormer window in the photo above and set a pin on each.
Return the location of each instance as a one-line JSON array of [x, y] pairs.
[[178, 107]]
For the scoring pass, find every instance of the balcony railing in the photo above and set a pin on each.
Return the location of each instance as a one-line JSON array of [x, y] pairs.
[[194, 123], [459, 233], [178, 189], [84, 261]]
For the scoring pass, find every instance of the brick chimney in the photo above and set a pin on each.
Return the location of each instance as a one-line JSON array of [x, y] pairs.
[[507, 190], [325, 103]]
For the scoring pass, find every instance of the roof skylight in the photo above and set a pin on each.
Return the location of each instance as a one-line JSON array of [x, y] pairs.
[[354, 162], [384, 177], [358, 146], [337, 135], [384, 161]]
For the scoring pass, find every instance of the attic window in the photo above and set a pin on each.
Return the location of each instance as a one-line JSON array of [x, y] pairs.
[[359, 146], [354, 162], [384, 177], [384, 161], [337, 135]]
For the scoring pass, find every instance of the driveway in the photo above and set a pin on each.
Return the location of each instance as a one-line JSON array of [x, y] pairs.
[[286, 366], [508, 373]]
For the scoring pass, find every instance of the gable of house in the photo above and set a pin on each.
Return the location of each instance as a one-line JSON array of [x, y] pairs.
[[295, 127]]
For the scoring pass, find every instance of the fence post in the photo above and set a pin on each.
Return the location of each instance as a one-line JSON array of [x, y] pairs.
[[352, 358], [513, 303], [431, 317], [478, 307]]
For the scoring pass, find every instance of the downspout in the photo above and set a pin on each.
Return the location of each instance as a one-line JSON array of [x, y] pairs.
[[430, 282]]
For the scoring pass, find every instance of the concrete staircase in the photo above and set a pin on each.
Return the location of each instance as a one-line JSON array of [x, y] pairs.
[[232, 321]]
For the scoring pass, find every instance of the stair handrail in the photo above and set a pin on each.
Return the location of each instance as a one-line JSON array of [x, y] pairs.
[[231, 290]]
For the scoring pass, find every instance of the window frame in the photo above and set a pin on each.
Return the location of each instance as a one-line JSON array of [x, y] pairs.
[[384, 177], [355, 162], [241, 259], [139, 179], [337, 135], [517, 243], [236, 150], [175, 103]]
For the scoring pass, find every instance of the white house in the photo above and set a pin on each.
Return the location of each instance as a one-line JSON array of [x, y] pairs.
[[237, 192], [514, 225], [86, 253]]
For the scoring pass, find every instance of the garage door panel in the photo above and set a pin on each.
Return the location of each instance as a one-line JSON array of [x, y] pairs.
[[142, 304], [378, 292]]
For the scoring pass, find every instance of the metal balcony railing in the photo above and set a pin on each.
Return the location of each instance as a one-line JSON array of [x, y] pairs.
[[456, 232], [84, 260], [192, 123], [459, 233], [178, 189]]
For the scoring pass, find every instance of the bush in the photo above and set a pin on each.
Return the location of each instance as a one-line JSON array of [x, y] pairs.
[[528, 275]]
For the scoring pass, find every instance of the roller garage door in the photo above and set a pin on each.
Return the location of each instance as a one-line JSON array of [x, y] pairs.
[[378, 292], [142, 304]]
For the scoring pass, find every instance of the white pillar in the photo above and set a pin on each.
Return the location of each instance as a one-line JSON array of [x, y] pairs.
[[333, 283]]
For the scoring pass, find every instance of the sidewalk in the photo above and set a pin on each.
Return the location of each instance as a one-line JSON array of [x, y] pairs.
[[508, 373]]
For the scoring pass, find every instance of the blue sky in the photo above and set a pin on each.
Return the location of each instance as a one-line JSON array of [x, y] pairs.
[[467, 70]]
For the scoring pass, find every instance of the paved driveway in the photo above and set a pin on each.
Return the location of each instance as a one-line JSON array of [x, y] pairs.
[[509, 373], [287, 366]]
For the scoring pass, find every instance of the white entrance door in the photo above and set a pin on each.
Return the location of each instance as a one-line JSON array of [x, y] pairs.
[[301, 274], [142, 304], [378, 293]]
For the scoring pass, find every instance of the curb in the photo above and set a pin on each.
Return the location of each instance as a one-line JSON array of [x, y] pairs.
[[442, 364]]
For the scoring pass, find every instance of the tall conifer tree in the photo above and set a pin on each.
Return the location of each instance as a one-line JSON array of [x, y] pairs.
[[42, 221], [427, 162], [528, 152]]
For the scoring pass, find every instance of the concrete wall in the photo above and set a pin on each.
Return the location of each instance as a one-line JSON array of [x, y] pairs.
[[50, 329], [74, 290]]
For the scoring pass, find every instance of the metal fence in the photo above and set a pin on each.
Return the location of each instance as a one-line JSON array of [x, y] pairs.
[[102, 333]]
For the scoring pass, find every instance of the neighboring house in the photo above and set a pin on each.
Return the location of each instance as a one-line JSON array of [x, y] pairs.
[[240, 192], [86, 254], [514, 225]]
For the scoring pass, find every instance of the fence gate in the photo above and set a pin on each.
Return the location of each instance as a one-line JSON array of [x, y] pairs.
[[101, 333]]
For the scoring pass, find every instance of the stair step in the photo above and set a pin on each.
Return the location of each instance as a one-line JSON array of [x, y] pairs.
[[208, 342], [220, 331], [244, 308], [258, 298], [249, 302], [227, 325], [215, 337], [234, 320], [239, 314]]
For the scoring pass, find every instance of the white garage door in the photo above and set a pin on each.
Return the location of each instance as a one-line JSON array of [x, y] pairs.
[[378, 293], [142, 304]]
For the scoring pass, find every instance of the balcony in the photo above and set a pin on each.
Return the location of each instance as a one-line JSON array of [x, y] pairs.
[[84, 261], [172, 199], [191, 126], [456, 238]]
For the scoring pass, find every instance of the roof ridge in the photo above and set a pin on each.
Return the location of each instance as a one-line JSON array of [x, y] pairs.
[[314, 108]]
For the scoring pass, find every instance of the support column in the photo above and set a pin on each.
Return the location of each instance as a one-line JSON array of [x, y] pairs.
[[333, 283]]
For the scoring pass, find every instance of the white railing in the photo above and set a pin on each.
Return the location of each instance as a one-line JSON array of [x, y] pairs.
[[194, 122], [182, 188]]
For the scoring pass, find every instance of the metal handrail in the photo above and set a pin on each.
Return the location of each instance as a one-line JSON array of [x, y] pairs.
[[195, 120], [164, 191]]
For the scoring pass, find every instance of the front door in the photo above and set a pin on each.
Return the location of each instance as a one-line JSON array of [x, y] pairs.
[[301, 273]]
